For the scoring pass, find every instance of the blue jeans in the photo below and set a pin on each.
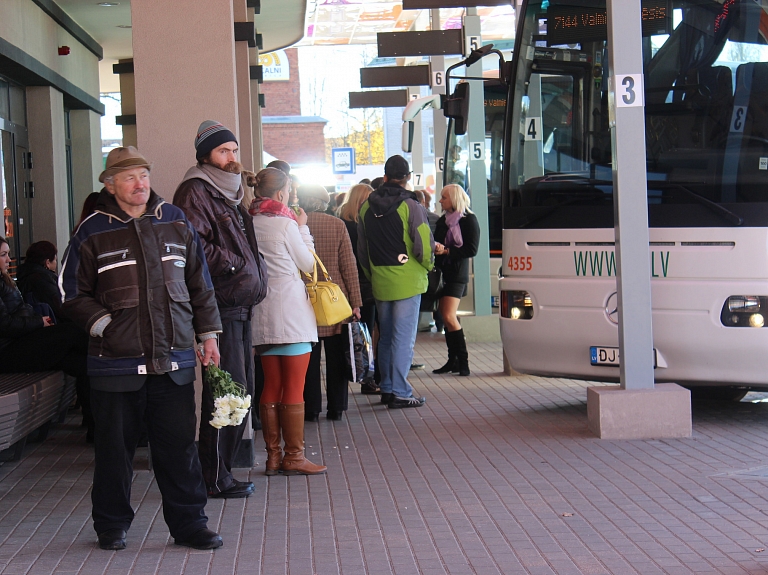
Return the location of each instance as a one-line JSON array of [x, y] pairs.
[[398, 321]]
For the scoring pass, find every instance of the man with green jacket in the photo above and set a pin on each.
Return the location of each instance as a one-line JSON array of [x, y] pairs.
[[396, 250]]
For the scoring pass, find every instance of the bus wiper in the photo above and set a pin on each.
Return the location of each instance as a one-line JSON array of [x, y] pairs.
[[572, 200], [725, 213]]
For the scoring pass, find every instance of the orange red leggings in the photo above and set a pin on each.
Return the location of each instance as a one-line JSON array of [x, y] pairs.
[[284, 378]]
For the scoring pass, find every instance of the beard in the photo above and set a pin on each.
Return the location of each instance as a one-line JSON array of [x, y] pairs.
[[232, 167]]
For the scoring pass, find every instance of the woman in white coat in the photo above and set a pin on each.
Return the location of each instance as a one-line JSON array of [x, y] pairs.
[[284, 326]]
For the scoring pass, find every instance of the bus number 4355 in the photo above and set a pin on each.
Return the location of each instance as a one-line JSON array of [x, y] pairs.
[[520, 263]]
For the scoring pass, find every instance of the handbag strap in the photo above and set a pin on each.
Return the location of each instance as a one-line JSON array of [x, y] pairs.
[[313, 277]]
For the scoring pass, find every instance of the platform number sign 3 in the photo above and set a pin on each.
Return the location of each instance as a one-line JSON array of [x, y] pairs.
[[629, 91], [737, 120], [533, 128]]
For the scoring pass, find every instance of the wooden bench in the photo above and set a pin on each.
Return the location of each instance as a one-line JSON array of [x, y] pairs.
[[30, 402]]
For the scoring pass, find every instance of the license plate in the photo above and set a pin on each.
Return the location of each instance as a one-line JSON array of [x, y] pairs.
[[608, 356]]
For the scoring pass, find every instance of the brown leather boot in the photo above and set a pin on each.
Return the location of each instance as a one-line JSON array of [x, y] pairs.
[[270, 428], [292, 425]]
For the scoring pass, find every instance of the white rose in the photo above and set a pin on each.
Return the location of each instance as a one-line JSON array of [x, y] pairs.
[[219, 422]]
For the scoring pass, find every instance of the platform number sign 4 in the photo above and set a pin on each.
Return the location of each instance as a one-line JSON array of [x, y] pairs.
[[477, 151], [473, 43], [533, 128], [629, 90]]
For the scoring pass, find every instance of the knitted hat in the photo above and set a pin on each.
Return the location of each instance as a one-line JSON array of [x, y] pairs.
[[211, 135], [397, 168], [121, 159]]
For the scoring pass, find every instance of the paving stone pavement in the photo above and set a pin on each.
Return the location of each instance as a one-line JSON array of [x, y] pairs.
[[493, 475]]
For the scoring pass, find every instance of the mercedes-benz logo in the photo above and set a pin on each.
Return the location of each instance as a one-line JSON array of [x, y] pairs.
[[612, 308]]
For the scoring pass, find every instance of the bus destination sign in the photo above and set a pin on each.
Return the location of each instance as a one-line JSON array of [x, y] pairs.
[[569, 24]]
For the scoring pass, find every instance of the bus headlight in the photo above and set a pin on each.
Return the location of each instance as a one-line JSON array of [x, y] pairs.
[[744, 311], [516, 304]]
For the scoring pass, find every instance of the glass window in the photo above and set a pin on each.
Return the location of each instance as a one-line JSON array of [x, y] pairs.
[[5, 108], [18, 106]]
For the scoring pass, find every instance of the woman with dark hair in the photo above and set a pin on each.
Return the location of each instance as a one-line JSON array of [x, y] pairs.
[[30, 342], [89, 205], [284, 325], [457, 238], [335, 251], [37, 276]]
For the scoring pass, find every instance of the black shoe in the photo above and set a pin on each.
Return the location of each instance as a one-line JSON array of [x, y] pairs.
[[202, 539], [239, 489], [112, 540], [386, 398], [369, 388], [334, 415], [401, 402], [452, 364], [311, 416], [415, 366]]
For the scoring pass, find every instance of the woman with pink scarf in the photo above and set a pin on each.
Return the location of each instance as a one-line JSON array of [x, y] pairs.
[[457, 236], [283, 325]]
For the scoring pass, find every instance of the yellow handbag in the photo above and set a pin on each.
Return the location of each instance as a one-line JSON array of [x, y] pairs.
[[328, 301]]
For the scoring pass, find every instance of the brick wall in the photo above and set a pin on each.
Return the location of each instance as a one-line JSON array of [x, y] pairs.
[[284, 98], [295, 143]]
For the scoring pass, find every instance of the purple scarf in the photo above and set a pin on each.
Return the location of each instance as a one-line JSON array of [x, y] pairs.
[[453, 237]]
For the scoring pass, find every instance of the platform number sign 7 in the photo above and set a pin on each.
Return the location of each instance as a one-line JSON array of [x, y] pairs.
[[477, 150], [533, 129], [418, 180]]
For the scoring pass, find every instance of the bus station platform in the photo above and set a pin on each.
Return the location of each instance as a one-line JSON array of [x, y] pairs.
[[493, 475]]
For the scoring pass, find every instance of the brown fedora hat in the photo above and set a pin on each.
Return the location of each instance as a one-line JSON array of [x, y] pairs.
[[121, 159]]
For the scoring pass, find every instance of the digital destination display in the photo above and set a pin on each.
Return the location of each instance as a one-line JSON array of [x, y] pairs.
[[568, 24]]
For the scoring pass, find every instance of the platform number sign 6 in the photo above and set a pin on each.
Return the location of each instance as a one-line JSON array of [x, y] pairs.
[[440, 164], [629, 91], [533, 129], [438, 79], [477, 150]]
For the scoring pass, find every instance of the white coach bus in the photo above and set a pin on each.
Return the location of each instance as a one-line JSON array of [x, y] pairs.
[[706, 113]]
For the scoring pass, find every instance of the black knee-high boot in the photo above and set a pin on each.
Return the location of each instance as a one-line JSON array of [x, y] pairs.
[[462, 357], [452, 364]]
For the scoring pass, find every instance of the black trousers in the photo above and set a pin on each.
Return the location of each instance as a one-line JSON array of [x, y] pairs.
[[168, 411], [217, 447], [64, 347], [336, 388]]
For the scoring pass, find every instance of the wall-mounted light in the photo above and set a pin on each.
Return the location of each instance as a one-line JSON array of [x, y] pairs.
[[64, 50], [108, 4]]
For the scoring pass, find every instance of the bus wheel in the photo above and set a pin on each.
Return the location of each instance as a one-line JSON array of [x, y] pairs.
[[717, 393]]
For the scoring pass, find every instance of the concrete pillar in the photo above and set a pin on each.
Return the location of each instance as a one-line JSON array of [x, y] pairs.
[[185, 72], [50, 207], [85, 126], [243, 80], [128, 104]]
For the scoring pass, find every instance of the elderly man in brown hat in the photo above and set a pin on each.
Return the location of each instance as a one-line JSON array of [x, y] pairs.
[[135, 278]]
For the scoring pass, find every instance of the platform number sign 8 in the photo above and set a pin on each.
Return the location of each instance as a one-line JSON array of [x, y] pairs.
[[533, 129], [629, 91], [477, 150]]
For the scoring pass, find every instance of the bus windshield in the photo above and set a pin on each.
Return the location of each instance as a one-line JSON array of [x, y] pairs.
[[705, 66], [457, 154]]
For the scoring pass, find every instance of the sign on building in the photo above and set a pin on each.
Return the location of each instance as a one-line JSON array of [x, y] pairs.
[[276, 66], [343, 160]]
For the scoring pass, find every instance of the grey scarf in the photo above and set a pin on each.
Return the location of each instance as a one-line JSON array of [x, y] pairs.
[[230, 185]]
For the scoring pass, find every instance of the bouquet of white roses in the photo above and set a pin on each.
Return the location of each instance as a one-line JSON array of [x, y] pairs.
[[229, 398]]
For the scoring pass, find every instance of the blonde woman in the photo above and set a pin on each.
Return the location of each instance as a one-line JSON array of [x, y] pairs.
[[284, 326], [457, 236], [349, 212]]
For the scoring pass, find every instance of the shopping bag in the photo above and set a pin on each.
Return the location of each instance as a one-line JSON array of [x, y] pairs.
[[358, 352]]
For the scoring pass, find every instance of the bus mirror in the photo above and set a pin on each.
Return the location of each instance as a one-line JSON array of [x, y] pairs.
[[457, 108], [407, 136]]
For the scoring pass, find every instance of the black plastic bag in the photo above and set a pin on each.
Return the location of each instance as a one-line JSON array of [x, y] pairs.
[[358, 352]]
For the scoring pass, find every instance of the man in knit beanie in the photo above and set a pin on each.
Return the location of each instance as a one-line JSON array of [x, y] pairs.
[[211, 195]]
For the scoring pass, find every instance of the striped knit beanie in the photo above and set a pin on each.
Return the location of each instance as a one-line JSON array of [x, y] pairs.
[[211, 135]]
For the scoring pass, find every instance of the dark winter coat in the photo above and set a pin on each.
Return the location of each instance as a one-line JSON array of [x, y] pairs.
[[238, 271], [455, 266], [42, 283], [16, 317], [149, 274]]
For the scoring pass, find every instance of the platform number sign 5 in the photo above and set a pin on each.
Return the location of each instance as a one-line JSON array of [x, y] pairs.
[[477, 151], [629, 91], [473, 43], [533, 129]]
